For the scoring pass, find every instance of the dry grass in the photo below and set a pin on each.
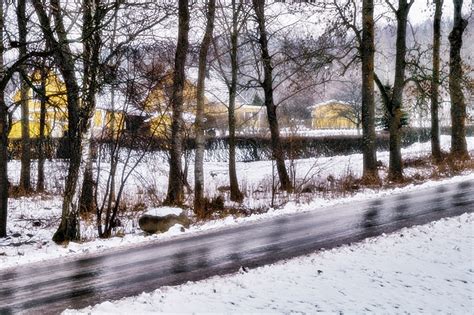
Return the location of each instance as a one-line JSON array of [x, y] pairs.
[[16, 192]]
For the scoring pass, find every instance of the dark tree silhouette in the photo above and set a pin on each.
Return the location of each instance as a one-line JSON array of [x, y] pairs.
[[175, 195], [458, 102]]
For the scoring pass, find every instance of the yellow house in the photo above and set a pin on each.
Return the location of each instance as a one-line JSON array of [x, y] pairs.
[[56, 111], [250, 118], [157, 106], [56, 123], [332, 115], [107, 123]]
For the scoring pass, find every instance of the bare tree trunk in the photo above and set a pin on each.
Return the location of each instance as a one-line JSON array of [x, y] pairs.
[[3, 152], [91, 44], [25, 172], [458, 103], [369, 149], [435, 81], [267, 84], [86, 201], [42, 128], [3, 142], [4, 128], [199, 202], [68, 229], [235, 193], [175, 195], [395, 170], [79, 113]]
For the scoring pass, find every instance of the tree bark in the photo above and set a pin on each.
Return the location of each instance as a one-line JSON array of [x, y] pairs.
[[199, 202], [458, 103], [3, 160], [86, 201], [435, 82], [175, 195], [78, 116], [4, 128], [91, 44], [235, 193], [42, 129], [369, 149], [395, 171], [25, 172], [267, 84]]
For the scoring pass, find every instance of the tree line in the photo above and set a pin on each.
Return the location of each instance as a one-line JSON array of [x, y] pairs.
[[118, 44]]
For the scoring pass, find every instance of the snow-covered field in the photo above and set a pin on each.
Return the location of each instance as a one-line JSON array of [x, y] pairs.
[[33, 220], [309, 132], [426, 269]]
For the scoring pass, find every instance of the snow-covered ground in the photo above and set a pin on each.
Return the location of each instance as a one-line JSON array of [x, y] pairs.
[[33, 220], [426, 269]]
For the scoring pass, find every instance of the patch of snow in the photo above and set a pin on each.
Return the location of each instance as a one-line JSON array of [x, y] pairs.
[[164, 211], [176, 229]]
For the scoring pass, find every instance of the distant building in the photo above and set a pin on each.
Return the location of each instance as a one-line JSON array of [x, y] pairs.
[[56, 111], [249, 119], [332, 115], [56, 120], [157, 106]]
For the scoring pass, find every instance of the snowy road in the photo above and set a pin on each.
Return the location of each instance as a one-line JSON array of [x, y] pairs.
[[51, 287]]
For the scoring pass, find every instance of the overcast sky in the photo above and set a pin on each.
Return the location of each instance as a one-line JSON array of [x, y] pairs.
[[424, 9]]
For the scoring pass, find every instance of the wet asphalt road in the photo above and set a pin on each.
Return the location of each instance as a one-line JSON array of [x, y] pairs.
[[51, 287]]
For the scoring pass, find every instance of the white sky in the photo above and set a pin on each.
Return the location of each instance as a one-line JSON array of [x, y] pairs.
[[424, 9]]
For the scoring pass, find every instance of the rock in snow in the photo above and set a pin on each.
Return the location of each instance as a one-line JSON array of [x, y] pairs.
[[160, 224]]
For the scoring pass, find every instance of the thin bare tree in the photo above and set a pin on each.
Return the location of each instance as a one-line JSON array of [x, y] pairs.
[[199, 201], [25, 171], [40, 183], [277, 149], [4, 128], [7, 70], [435, 82], [232, 31]]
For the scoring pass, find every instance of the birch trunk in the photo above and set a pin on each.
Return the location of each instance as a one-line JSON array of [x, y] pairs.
[[78, 116], [199, 201]]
